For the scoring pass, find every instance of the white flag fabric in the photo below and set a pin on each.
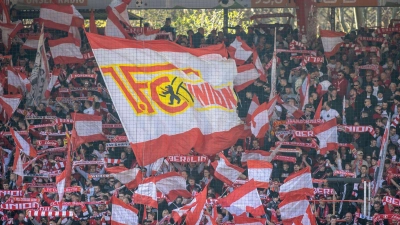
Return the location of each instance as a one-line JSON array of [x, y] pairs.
[[23, 145], [60, 184], [8, 32], [239, 51], [40, 75], [18, 165], [9, 103], [331, 41], [66, 50], [116, 14], [31, 42], [246, 76], [303, 91], [243, 199], [273, 77], [122, 213], [260, 171], [225, 171], [60, 17], [255, 155], [261, 117], [327, 135], [18, 83], [130, 177], [295, 209], [87, 128], [146, 194], [182, 98], [299, 182], [253, 106], [171, 184]]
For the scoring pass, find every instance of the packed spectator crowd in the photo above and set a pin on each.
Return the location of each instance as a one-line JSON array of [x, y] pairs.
[[371, 99]]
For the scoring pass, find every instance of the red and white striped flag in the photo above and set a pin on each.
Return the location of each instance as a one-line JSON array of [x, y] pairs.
[[323, 87], [296, 210], [148, 35], [261, 117], [130, 177], [244, 220], [257, 63], [59, 165], [244, 199], [253, 106], [18, 83], [146, 194], [66, 50], [225, 171], [122, 213], [239, 51], [299, 182], [195, 215], [35, 213], [31, 42], [331, 41], [60, 17], [247, 74], [292, 110], [60, 184], [8, 104], [171, 184], [327, 135], [52, 82], [303, 91], [260, 171], [8, 32], [112, 161], [177, 214], [18, 165], [116, 14], [23, 145], [87, 128]]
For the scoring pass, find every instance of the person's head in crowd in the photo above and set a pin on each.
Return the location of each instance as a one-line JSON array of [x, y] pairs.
[[296, 167], [392, 150], [360, 155], [249, 94], [192, 181], [368, 89], [255, 144]]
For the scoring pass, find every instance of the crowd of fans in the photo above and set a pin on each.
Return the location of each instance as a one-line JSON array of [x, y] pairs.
[[371, 97]]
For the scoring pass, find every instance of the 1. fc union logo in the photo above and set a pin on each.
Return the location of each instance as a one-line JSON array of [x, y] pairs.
[[166, 92]]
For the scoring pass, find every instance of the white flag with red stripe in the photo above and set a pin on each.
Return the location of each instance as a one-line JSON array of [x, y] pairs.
[[225, 171], [292, 110], [244, 199], [87, 128], [130, 177], [247, 74], [60, 184], [9, 103], [122, 213], [327, 135], [253, 106], [257, 63], [255, 155], [296, 210], [8, 32], [52, 83], [177, 214], [239, 51], [60, 17], [261, 118], [303, 91], [331, 41], [244, 220], [18, 165], [299, 182], [146, 194], [66, 50], [18, 83], [171, 184], [260, 171], [195, 215], [23, 145], [201, 116], [31, 42], [116, 14]]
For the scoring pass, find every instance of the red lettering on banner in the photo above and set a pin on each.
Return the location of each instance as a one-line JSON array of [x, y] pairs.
[[304, 133], [20, 206], [207, 95]]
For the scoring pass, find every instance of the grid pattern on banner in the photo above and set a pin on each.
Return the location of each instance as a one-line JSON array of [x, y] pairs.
[[117, 124]]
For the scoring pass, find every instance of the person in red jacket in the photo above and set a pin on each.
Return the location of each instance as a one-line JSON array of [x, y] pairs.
[[341, 84]]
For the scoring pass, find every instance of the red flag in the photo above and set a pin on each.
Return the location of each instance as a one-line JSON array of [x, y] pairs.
[[331, 41], [261, 117], [317, 114], [195, 215], [22, 144], [327, 135], [122, 213], [130, 177], [296, 210], [170, 184], [299, 182], [146, 194], [92, 24], [9, 103], [239, 51], [60, 184]]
